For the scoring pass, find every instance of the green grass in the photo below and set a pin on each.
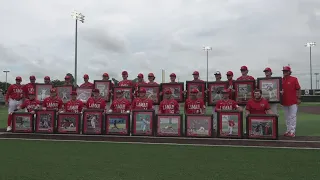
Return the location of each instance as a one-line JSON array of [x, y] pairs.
[[39, 160]]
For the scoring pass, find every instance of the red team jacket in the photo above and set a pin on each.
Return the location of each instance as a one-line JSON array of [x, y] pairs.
[[52, 103], [93, 103], [226, 105], [73, 106], [88, 85], [30, 105], [258, 106], [194, 106], [125, 83], [29, 89], [120, 105], [15, 92], [139, 103], [169, 106], [243, 78]]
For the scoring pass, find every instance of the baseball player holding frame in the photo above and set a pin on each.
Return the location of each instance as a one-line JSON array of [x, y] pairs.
[[14, 98], [274, 106]]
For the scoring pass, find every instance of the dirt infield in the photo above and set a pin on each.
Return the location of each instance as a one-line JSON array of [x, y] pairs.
[[300, 142], [310, 109]]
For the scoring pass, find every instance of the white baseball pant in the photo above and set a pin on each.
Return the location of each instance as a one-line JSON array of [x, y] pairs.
[[215, 117], [13, 104], [274, 108], [93, 123], [230, 129], [290, 113]]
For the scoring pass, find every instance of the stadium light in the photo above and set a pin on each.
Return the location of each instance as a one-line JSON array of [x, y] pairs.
[[6, 85], [207, 49], [78, 17], [310, 45]]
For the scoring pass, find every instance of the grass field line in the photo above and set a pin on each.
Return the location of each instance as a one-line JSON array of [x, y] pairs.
[[169, 144]]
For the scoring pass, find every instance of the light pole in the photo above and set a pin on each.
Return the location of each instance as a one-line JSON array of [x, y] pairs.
[[310, 45], [207, 49], [78, 17], [316, 79], [6, 85]]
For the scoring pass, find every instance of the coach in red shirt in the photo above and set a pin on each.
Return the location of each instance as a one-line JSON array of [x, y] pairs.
[[291, 97], [258, 104]]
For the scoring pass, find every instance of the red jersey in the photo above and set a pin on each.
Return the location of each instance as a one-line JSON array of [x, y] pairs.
[[243, 78], [198, 80], [125, 83], [52, 103], [226, 105], [29, 88], [137, 87], [15, 91], [258, 106], [120, 105], [290, 86], [153, 83], [231, 123], [142, 103], [73, 106], [88, 85], [230, 86], [194, 106], [30, 105], [169, 106], [94, 103]]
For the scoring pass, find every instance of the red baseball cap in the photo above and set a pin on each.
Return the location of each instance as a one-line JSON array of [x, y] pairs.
[[244, 68], [267, 69], [105, 75], [286, 68], [140, 75], [18, 78], [194, 91], [32, 78], [195, 73], [168, 91], [229, 73], [150, 75], [67, 77], [53, 90], [73, 93], [86, 76], [173, 75], [46, 78], [124, 73], [142, 90], [95, 90]]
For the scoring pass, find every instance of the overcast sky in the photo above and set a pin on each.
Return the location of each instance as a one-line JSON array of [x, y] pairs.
[[37, 37]]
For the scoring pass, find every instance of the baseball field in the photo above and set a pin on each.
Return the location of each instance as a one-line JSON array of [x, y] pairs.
[[61, 160]]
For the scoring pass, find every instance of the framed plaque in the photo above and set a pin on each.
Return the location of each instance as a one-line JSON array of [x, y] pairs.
[[230, 124], [153, 92], [198, 125], [142, 123], [64, 92], [263, 126], [84, 94], [200, 85], [271, 88], [104, 88], [128, 92], [42, 91], [22, 122], [244, 91], [45, 121], [177, 90], [214, 91], [68, 123], [117, 124], [92, 121], [169, 125]]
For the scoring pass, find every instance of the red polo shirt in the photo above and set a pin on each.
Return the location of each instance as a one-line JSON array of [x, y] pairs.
[[290, 85], [258, 106]]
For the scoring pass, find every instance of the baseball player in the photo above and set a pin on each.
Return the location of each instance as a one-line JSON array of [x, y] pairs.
[[140, 82], [274, 106], [230, 83], [96, 102], [151, 79], [115, 125], [258, 104], [125, 81], [196, 76], [173, 78], [168, 105], [74, 105], [193, 105], [93, 120], [226, 103], [30, 87], [120, 104], [47, 80], [67, 81], [142, 102], [53, 102], [291, 98], [217, 76], [13, 99], [244, 71], [86, 83], [105, 77], [30, 104]]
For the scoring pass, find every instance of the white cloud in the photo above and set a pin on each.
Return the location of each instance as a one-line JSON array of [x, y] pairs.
[[37, 37]]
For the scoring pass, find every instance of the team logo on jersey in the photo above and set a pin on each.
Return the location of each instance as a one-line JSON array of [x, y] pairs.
[[262, 105], [168, 107], [142, 104], [94, 106], [194, 106], [52, 105], [120, 106]]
